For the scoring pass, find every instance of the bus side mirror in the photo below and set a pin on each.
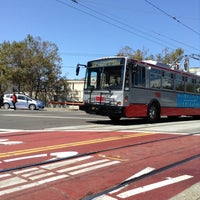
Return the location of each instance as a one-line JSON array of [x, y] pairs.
[[77, 69]]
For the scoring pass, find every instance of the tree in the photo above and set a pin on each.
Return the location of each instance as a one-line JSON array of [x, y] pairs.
[[165, 57], [42, 64], [137, 54], [126, 51], [32, 65], [169, 57], [5, 60]]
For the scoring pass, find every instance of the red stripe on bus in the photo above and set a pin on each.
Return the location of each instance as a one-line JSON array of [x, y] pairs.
[[180, 111], [136, 110], [140, 110]]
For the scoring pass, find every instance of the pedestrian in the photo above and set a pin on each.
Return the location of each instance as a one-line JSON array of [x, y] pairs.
[[14, 100], [1, 99]]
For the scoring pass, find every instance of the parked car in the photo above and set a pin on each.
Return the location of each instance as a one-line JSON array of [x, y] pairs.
[[23, 102]]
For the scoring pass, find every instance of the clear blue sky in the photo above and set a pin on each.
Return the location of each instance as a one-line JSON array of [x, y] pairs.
[[94, 28]]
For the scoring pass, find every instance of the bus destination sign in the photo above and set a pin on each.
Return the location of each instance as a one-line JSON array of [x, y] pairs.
[[106, 62]]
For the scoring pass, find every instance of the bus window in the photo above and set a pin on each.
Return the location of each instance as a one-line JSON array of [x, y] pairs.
[[155, 78], [198, 86], [92, 79], [190, 85], [139, 77], [179, 83], [167, 81], [112, 77]]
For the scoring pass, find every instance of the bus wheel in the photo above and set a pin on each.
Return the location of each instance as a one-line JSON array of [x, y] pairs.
[[153, 114], [114, 118]]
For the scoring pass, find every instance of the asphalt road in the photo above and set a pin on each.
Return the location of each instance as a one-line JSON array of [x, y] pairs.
[[61, 119]]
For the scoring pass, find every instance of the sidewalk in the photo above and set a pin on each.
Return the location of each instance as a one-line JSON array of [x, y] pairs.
[[192, 193]]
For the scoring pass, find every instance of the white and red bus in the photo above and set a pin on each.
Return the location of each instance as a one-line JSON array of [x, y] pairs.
[[122, 87]]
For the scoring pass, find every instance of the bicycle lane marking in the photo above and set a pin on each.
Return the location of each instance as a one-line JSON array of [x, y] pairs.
[[36, 176]]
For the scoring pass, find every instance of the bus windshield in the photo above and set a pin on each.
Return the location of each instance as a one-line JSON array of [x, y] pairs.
[[105, 74]]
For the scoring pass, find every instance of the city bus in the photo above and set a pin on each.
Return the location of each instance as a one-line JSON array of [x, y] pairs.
[[119, 87]]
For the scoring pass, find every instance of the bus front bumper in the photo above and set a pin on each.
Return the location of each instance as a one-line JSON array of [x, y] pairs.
[[105, 110]]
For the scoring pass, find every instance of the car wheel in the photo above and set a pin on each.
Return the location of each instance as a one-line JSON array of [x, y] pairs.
[[6, 106], [32, 107]]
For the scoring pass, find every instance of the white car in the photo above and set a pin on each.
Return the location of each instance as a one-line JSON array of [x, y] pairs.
[[23, 102]]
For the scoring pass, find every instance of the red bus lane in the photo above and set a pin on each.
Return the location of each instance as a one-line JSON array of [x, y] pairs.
[[112, 165]]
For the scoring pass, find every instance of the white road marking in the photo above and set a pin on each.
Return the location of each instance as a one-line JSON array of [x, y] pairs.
[[94, 167], [42, 175], [11, 181], [63, 154], [26, 186], [140, 173], [56, 154], [46, 116], [63, 163], [4, 175], [26, 170], [25, 157], [3, 140], [81, 127], [104, 197], [82, 166], [34, 172], [102, 128], [153, 186], [7, 142], [2, 131]]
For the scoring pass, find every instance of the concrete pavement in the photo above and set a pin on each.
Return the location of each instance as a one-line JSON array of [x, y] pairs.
[[191, 193]]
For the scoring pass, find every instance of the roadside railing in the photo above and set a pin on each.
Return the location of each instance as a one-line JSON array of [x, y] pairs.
[[66, 104]]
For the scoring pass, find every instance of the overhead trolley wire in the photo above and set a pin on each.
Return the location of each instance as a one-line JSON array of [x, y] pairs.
[[110, 23], [142, 32], [123, 26], [173, 17]]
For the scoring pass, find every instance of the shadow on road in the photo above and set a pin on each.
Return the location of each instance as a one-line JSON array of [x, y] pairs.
[[139, 121]]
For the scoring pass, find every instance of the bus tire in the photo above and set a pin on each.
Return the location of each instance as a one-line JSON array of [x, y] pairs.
[[114, 118], [153, 113]]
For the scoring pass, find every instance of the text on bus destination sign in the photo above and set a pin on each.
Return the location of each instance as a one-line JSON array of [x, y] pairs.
[[108, 62]]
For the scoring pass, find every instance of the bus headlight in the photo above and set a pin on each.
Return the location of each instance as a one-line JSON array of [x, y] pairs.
[[116, 103]]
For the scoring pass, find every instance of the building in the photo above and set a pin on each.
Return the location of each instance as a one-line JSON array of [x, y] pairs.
[[75, 90]]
